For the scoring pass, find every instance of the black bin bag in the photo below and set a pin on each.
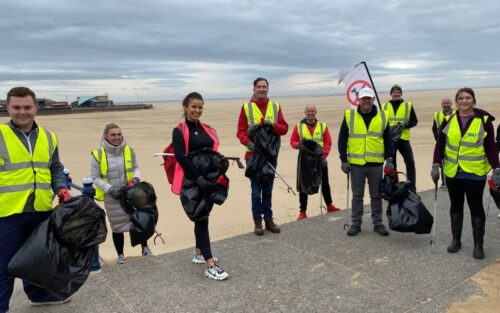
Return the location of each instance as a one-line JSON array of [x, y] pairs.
[[309, 165], [58, 254], [405, 212], [139, 202]]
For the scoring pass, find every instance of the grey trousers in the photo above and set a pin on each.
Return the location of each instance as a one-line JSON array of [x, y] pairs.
[[359, 174]]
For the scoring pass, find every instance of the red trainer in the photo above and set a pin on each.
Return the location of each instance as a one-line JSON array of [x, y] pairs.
[[331, 208], [302, 215]]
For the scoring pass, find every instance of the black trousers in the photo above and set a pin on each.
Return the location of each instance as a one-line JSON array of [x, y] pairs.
[[325, 189], [404, 147], [203, 238], [473, 189], [118, 241]]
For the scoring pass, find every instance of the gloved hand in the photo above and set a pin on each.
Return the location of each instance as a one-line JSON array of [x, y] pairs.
[[300, 145], [251, 146], [267, 123], [389, 168], [133, 181], [496, 177], [204, 184], [345, 167], [115, 193], [435, 173], [63, 195]]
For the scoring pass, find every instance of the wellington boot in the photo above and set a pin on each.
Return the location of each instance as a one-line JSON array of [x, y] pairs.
[[457, 220], [478, 233]]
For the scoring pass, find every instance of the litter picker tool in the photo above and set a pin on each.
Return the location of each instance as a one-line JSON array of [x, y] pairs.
[[432, 243], [346, 225], [321, 206], [288, 187], [236, 159]]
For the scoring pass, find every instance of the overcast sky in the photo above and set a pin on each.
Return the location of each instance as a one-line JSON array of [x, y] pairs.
[[160, 50]]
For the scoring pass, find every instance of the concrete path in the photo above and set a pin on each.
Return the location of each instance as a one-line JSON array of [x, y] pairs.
[[312, 266]]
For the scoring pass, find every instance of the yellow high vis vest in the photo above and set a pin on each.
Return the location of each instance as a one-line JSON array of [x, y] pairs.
[[100, 156], [466, 151], [402, 116], [317, 135], [22, 173], [365, 145], [439, 117], [254, 116]]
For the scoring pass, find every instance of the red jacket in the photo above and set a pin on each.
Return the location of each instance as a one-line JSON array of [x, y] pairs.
[[327, 139], [280, 127]]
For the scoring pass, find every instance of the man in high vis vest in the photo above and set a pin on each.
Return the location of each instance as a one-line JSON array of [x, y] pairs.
[[439, 116], [30, 171], [364, 144], [402, 117], [261, 110], [310, 128]]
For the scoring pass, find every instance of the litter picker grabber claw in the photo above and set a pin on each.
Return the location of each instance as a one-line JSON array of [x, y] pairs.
[[158, 235], [432, 243], [236, 159], [288, 187], [346, 225]]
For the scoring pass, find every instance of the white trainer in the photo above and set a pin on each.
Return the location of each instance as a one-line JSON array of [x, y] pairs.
[[216, 272], [120, 259], [199, 259], [146, 251]]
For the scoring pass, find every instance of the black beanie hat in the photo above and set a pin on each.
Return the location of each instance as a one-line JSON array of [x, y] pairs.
[[396, 87]]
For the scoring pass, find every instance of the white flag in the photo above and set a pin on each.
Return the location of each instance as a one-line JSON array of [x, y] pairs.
[[356, 78]]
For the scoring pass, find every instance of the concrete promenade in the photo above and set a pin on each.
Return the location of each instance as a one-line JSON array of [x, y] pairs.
[[312, 266]]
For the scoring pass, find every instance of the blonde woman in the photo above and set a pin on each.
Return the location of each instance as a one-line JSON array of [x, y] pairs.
[[114, 165]]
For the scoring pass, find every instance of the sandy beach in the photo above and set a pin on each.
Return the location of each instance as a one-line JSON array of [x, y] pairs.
[[149, 131]]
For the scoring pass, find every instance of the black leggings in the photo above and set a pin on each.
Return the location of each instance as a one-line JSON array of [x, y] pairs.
[[203, 238], [473, 189], [118, 240]]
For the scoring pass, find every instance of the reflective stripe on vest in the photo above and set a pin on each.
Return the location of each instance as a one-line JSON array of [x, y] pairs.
[[365, 145], [254, 115], [101, 158], [439, 117], [467, 151], [179, 171], [316, 136], [402, 116], [23, 172]]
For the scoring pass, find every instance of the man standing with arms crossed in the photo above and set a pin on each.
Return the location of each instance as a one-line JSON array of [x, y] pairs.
[[439, 116], [311, 129], [261, 110], [30, 171], [402, 116], [364, 143]]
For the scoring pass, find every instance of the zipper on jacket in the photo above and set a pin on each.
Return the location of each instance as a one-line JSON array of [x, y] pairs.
[[31, 154]]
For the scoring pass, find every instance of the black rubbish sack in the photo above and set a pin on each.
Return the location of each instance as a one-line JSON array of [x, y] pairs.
[[267, 147], [213, 166], [391, 189], [309, 166], [409, 214], [139, 202], [58, 254]]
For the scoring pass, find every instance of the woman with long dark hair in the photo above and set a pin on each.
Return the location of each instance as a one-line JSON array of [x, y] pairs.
[[191, 135], [466, 144]]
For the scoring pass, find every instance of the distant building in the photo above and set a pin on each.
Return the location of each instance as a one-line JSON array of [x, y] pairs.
[[48, 103], [96, 101]]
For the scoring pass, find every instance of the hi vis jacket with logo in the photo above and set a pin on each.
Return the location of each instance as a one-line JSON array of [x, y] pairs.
[[365, 145], [467, 151], [24, 172], [402, 116], [317, 134], [254, 115], [100, 156]]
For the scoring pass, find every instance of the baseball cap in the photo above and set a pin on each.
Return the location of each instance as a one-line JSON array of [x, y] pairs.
[[366, 92]]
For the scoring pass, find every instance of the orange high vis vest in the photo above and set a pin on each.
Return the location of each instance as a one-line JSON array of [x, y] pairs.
[[179, 172]]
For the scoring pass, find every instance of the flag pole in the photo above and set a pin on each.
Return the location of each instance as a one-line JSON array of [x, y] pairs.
[[371, 81]]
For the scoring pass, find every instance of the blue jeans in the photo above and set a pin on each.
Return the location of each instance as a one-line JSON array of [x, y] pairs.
[[14, 230], [96, 265], [262, 193]]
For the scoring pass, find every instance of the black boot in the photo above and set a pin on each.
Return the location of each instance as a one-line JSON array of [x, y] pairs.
[[457, 219], [478, 233]]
